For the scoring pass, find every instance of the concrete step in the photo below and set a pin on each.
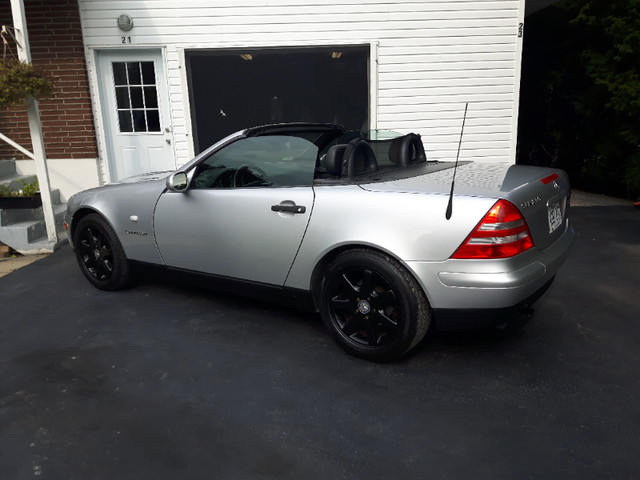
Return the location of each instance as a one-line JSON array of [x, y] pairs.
[[43, 245], [25, 230], [7, 168], [22, 235]]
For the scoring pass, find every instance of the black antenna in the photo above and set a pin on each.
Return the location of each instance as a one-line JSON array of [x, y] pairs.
[[455, 168]]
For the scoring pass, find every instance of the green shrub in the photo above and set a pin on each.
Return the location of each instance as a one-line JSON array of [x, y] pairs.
[[27, 190]]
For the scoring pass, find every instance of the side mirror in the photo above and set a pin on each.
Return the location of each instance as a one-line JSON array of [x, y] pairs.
[[178, 182]]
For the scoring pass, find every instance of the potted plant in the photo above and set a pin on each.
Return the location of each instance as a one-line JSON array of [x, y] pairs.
[[21, 80], [26, 197]]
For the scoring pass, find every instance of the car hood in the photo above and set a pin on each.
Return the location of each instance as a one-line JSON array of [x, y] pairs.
[[125, 183], [145, 177], [132, 189]]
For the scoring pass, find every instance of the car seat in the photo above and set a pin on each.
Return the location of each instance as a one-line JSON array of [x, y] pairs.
[[332, 161], [358, 158], [407, 149]]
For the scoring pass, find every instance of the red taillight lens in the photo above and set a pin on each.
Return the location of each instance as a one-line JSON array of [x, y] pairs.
[[502, 233]]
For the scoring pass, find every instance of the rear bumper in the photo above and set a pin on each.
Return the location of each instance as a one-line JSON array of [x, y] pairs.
[[479, 287], [452, 319]]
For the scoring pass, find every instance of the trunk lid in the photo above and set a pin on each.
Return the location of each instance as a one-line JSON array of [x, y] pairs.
[[541, 194]]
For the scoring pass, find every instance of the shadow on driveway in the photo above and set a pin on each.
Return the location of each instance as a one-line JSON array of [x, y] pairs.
[[169, 381]]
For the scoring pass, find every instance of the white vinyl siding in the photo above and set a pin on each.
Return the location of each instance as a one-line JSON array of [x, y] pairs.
[[432, 57]]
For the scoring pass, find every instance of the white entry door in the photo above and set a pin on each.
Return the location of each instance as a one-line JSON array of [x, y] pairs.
[[135, 110]]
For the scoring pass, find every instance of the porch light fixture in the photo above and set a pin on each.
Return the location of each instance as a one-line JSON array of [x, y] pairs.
[[246, 56], [125, 22], [336, 55]]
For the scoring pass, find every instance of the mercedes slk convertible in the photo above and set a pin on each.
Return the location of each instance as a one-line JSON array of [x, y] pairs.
[[362, 228]]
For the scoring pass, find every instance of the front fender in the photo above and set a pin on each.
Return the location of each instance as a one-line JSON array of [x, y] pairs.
[[129, 210]]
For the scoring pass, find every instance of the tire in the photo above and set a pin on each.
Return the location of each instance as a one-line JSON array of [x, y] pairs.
[[100, 254], [373, 307]]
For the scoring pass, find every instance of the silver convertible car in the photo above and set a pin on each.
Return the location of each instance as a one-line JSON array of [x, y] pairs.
[[361, 228]]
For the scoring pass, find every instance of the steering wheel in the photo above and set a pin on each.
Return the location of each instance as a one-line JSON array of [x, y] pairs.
[[224, 179], [249, 176]]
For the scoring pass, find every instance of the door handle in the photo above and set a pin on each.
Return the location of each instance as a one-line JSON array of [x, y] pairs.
[[288, 208]]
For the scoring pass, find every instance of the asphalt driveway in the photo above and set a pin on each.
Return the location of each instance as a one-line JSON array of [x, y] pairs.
[[177, 382]]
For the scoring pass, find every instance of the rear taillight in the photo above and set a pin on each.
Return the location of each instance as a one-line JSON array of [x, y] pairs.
[[502, 233]]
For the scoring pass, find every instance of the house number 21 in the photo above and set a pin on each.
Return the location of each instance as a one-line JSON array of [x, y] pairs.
[[125, 39]]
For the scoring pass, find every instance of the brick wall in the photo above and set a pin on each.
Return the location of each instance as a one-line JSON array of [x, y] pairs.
[[55, 36]]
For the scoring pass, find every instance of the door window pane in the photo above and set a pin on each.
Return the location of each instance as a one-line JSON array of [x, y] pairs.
[[119, 73], [153, 120], [148, 73], [269, 161], [136, 96], [133, 69], [150, 97], [124, 118], [122, 97], [139, 122]]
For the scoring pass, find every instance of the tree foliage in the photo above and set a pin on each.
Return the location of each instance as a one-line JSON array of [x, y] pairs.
[[581, 93], [612, 59]]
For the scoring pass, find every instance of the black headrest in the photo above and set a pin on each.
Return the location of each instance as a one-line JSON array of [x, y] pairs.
[[407, 149], [333, 160], [358, 158]]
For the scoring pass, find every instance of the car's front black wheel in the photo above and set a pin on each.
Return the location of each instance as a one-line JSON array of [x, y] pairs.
[[100, 253], [372, 306]]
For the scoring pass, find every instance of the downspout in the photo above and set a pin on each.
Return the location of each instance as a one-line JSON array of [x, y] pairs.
[[35, 125], [518, 32]]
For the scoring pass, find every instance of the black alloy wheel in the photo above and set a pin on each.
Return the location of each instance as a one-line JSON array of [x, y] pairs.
[[100, 254], [373, 306]]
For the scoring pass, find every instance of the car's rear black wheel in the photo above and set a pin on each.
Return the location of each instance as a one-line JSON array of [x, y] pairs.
[[100, 254], [372, 306]]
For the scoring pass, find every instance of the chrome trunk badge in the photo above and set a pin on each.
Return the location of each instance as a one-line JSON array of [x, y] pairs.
[[531, 202]]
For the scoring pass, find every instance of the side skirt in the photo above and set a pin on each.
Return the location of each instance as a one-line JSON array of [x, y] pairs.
[[296, 298]]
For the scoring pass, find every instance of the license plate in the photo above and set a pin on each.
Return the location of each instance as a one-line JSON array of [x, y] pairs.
[[555, 216]]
